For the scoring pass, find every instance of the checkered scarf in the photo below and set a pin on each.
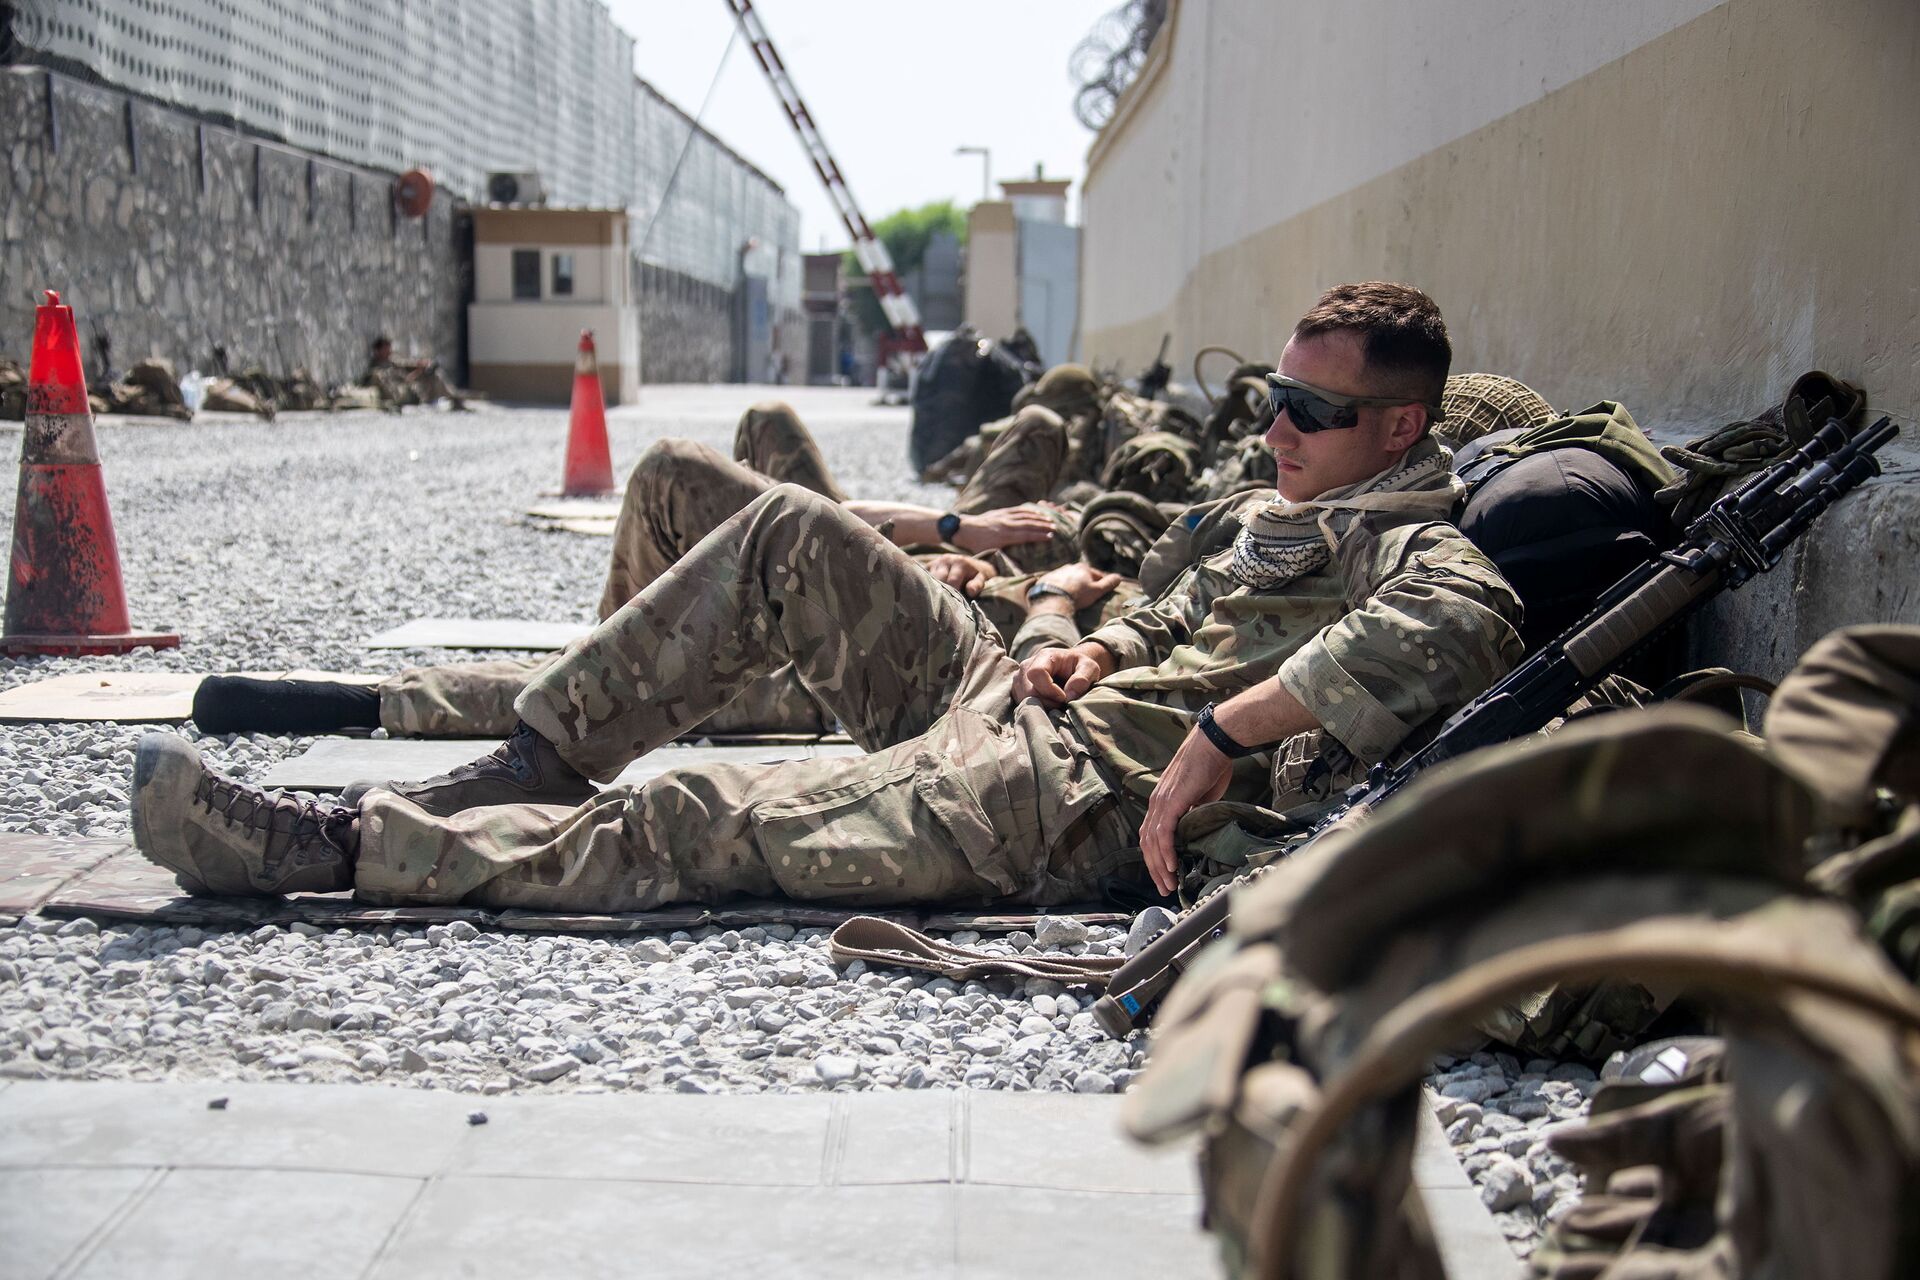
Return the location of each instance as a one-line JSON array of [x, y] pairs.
[[1285, 540]]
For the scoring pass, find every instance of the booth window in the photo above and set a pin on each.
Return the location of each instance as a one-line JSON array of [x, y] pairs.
[[526, 274], [563, 275]]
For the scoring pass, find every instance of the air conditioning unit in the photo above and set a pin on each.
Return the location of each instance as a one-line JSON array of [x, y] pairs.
[[515, 188]]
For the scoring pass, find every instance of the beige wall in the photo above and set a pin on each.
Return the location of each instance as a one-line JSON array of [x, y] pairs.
[[993, 266], [543, 336], [1675, 203]]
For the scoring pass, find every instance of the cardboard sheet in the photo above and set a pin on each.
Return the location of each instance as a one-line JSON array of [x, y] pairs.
[[593, 517], [109, 880], [479, 633], [128, 697], [575, 509]]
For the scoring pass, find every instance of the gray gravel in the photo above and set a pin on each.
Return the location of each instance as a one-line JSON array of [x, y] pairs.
[[279, 546], [1498, 1113], [451, 1006]]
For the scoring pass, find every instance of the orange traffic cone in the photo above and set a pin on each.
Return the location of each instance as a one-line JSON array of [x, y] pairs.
[[589, 465], [65, 594]]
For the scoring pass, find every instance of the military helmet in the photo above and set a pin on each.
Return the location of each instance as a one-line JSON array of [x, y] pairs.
[[1067, 389], [1478, 404]]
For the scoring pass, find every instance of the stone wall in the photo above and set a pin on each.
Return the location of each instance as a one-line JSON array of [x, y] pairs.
[[171, 237], [687, 328]]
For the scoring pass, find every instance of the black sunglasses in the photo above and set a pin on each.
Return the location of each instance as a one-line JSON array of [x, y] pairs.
[[1310, 409]]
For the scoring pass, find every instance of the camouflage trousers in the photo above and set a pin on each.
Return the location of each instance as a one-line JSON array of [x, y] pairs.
[[964, 795], [677, 494]]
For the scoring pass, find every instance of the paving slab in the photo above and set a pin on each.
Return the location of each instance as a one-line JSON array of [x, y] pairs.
[[129, 697], [1464, 1231], [741, 1140], [343, 1128], [478, 633], [1028, 1140], [532, 1229], [333, 762], [198, 1223], [48, 1215], [113, 1179], [142, 1179]]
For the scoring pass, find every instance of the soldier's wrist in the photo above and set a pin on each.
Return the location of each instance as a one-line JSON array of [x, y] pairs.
[[1060, 606]]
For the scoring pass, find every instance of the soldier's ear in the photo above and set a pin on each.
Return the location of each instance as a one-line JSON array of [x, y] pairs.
[[1407, 423]]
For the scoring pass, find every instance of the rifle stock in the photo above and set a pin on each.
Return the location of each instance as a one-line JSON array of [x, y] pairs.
[[1744, 532]]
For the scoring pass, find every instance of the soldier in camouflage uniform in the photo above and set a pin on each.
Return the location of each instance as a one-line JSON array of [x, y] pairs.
[[677, 494], [1344, 606]]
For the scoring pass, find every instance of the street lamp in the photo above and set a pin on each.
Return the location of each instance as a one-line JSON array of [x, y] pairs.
[[986, 167]]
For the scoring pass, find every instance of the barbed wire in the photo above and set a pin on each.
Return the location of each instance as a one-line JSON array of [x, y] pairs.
[[1111, 55]]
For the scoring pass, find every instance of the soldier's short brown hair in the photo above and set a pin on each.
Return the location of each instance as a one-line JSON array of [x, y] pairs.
[[1399, 328]]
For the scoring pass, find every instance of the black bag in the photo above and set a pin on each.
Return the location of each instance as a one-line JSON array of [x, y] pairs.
[[1564, 510], [963, 384]]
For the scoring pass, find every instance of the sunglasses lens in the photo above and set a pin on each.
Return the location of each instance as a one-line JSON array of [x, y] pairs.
[[1308, 412]]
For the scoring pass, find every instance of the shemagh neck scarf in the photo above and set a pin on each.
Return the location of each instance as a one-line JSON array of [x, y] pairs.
[[1285, 540]]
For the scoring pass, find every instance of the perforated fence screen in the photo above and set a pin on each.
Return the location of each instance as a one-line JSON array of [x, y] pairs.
[[463, 88]]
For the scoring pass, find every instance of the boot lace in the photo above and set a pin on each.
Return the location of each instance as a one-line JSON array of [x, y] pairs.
[[311, 827]]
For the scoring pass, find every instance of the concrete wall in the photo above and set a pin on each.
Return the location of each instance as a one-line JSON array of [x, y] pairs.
[[1679, 204], [280, 272], [1676, 203], [993, 269]]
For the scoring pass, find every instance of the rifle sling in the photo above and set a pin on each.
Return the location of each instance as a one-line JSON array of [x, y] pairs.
[[882, 942]]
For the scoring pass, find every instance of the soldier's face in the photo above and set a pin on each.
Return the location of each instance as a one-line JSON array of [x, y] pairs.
[[1310, 463]]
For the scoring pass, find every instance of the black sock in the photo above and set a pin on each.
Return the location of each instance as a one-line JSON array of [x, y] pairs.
[[240, 704]]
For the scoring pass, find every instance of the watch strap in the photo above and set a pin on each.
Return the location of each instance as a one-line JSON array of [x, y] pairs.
[[1228, 746], [1039, 590]]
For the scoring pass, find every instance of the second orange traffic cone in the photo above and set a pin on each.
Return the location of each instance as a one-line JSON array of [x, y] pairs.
[[589, 465], [64, 593]]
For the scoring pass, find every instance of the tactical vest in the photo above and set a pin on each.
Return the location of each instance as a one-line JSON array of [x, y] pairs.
[[1674, 855]]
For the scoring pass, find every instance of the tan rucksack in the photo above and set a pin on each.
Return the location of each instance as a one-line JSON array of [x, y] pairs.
[[1673, 856]]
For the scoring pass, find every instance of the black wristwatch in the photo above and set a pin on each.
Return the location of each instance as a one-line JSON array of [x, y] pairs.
[[1041, 590], [948, 526], [1227, 745]]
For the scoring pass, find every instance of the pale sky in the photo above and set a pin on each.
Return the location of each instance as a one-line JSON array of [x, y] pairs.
[[894, 86]]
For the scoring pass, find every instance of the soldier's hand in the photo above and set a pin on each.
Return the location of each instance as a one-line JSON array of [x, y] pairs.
[[1007, 527], [1087, 583], [963, 573], [1198, 775], [1058, 676]]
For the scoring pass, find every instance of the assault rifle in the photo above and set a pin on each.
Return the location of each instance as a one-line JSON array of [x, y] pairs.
[[1744, 532], [1158, 374]]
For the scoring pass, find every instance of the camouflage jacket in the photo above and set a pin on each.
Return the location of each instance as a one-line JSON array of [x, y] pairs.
[[1406, 623]]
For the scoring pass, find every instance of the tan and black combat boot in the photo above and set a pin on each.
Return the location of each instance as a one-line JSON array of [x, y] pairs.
[[219, 836], [525, 769]]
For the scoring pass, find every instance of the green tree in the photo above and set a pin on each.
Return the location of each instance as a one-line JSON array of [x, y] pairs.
[[905, 233]]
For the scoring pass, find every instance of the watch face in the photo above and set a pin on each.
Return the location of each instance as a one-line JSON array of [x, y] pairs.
[[948, 525]]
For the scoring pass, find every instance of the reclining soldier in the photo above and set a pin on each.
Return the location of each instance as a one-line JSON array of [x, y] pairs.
[[1346, 606], [677, 494]]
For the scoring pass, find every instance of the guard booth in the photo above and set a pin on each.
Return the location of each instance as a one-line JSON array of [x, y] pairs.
[[540, 276]]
